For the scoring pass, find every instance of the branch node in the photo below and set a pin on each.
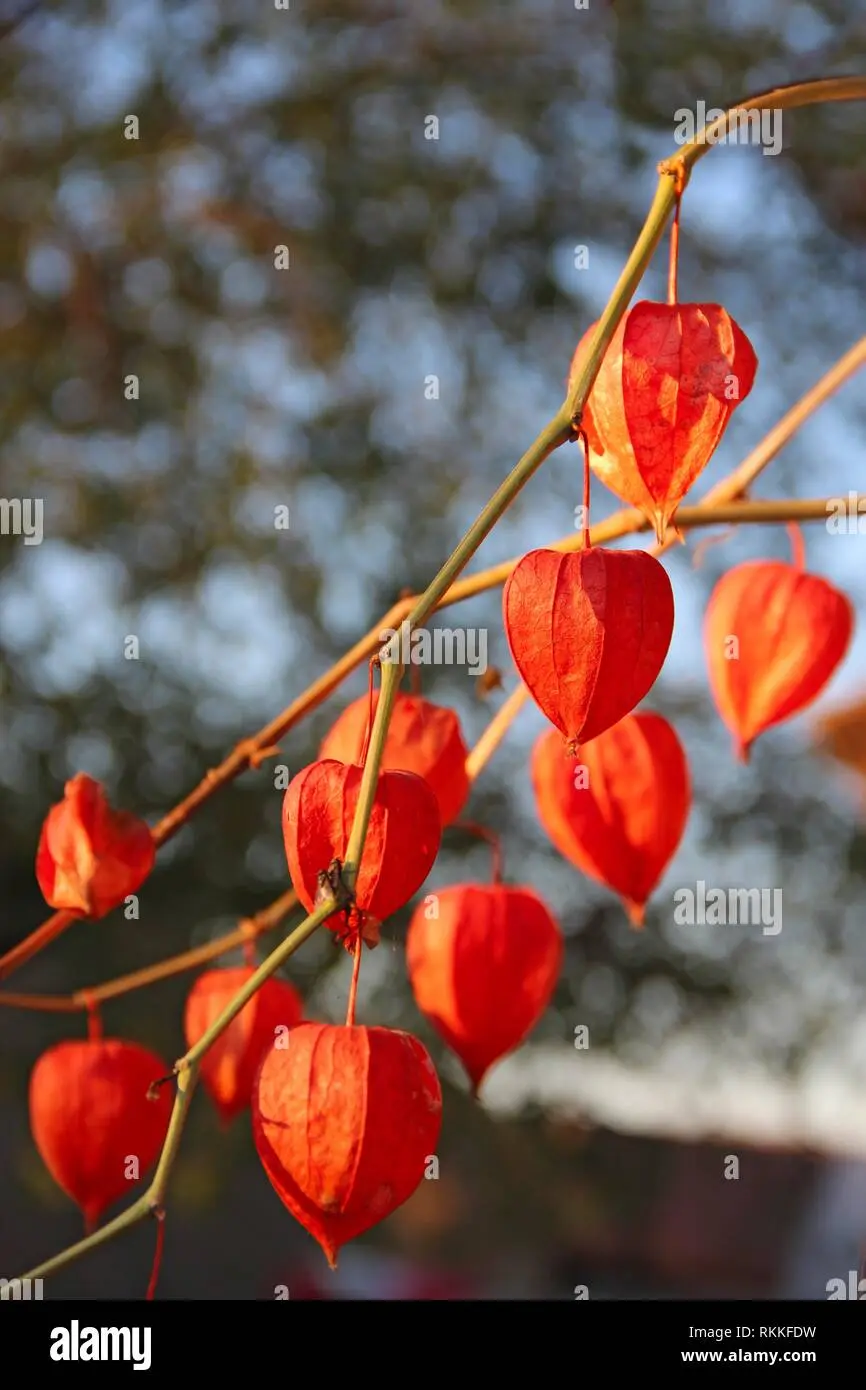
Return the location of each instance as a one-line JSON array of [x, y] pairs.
[[249, 928], [254, 755], [668, 167], [491, 680], [331, 884], [153, 1088]]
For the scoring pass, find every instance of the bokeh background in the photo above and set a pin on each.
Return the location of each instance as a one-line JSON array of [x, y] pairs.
[[260, 127]]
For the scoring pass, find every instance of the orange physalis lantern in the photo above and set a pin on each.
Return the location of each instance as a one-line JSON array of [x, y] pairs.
[[589, 633], [620, 812], [91, 857], [92, 1121], [773, 635], [483, 967], [345, 1121], [667, 387], [402, 838], [422, 738], [228, 1068]]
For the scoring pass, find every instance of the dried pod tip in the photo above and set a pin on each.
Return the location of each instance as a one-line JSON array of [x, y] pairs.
[[636, 914], [491, 680]]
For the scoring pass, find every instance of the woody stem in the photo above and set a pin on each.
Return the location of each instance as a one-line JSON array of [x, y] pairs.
[[391, 676], [779, 99], [187, 1080], [94, 1022], [131, 1217], [51, 928], [623, 290], [798, 549], [673, 264], [157, 1256], [266, 920], [481, 832], [353, 988], [273, 962], [368, 723], [587, 537], [495, 732]]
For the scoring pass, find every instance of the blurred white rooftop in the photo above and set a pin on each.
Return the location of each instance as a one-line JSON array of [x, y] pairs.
[[823, 1113]]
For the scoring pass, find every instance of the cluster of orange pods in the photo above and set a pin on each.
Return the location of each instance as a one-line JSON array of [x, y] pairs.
[[346, 1118]]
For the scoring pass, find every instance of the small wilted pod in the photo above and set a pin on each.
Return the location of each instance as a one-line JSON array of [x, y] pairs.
[[91, 857]]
